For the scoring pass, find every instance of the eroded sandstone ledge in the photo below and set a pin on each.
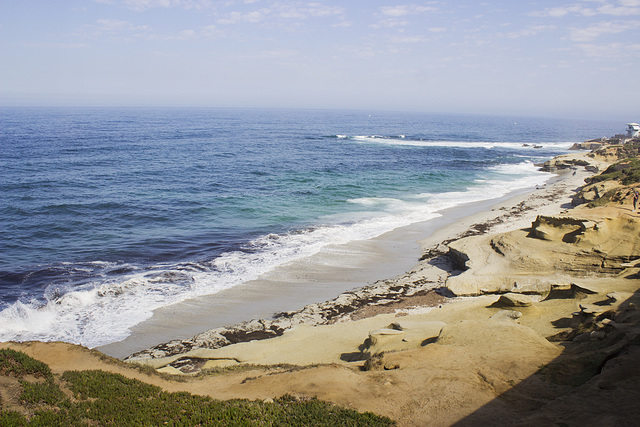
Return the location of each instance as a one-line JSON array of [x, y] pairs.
[[585, 243]]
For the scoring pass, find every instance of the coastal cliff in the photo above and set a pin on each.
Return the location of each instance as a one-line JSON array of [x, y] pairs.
[[527, 314]]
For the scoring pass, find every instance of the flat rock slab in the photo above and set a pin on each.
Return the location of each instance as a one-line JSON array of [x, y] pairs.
[[594, 309], [401, 336]]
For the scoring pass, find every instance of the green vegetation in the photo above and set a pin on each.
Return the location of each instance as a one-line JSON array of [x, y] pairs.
[[38, 394], [102, 398], [615, 195], [18, 364], [250, 367], [626, 171]]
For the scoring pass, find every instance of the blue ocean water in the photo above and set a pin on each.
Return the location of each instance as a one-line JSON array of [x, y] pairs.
[[108, 214]]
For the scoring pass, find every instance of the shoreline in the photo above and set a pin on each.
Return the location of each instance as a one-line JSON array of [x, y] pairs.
[[336, 270], [417, 282], [557, 343]]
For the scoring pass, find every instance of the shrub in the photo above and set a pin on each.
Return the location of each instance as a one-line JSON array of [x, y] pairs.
[[626, 171], [105, 385], [46, 393], [12, 418]]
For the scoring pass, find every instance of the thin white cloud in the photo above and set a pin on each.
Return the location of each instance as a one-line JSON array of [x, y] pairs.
[[187, 34], [141, 5], [252, 17], [622, 10], [209, 31], [403, 10], [558, 12], [308, 10], [343, 24], [530, 31], [205, 32], [279, 54], [398, 15], [283, 11], [116, 26], [390, 23], [149, 4], [592, 32], [608, 51], [409, 39], [616, 8], [57, 45]]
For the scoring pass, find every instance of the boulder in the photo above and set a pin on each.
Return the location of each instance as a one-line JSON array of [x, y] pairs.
[[513, 300], [401, 336], [169, 370]]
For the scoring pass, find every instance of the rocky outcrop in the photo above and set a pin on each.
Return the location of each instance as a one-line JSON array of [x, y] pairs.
[[601, 193], [552, 228], [381, 293], [534, 260], [562, 163], [588, 145], [512, 299], [401, 336], [613, 153]]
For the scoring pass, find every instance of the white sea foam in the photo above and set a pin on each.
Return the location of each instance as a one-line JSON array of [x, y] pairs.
[[103, 311], [498, 181], [402, 140]]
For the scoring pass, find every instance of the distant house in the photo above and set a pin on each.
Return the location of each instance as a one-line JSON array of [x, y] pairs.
[[633, 130]]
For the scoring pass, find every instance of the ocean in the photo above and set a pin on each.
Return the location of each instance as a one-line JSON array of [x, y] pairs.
[[108, 214]]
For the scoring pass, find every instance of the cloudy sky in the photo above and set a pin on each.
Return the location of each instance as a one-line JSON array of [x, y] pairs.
[[548, 57]]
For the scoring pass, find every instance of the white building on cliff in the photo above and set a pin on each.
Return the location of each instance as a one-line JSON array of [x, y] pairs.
[[633, 130]]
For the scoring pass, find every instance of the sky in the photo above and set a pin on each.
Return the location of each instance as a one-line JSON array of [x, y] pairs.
[[545, 58]]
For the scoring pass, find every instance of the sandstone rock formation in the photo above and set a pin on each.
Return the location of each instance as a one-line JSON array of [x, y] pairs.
[[531, 261], [564, 162], [401, 335], [513, 300]]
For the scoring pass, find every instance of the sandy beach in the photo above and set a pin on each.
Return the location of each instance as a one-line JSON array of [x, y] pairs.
[[523, 313]]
